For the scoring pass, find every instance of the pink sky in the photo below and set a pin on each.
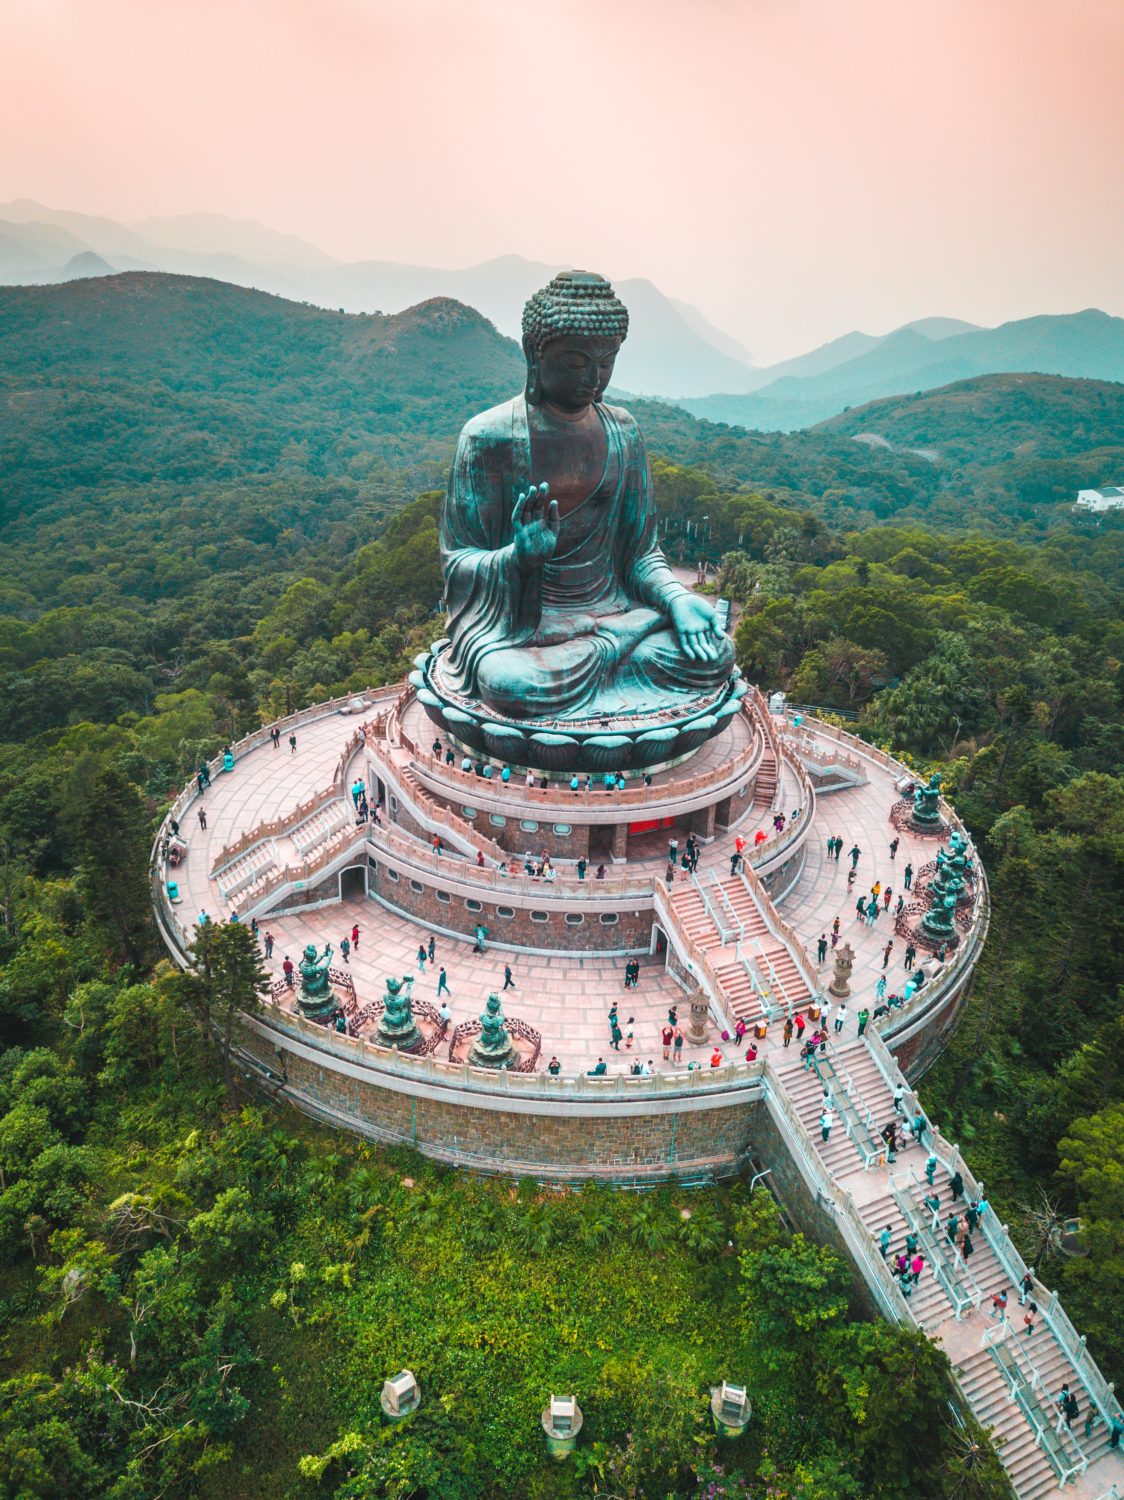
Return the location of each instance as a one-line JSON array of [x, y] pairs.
[[796, 168]]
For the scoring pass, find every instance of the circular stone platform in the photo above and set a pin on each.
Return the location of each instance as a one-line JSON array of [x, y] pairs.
[[617, 743]]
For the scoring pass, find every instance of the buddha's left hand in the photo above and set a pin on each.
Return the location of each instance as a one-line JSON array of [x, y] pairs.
[[696, 626]]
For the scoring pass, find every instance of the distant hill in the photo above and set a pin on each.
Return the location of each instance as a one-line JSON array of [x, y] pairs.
[[672, 351], [1086, 345], [241, 429], [993, 419]]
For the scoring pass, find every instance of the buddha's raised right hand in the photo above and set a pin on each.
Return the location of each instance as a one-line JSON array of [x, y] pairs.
[[536, 523]]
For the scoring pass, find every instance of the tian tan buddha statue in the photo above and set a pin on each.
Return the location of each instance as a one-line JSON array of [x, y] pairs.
[[561, 604]]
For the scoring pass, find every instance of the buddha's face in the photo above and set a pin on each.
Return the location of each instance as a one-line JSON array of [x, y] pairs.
[[574, 371]]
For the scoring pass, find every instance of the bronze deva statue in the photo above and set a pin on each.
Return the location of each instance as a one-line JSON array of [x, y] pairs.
[[561, 603]]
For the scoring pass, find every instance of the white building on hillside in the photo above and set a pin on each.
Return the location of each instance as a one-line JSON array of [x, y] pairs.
[[1110, 497]]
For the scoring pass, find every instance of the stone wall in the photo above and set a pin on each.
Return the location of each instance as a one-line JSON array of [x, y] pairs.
[[563, 1141], [511, 925]]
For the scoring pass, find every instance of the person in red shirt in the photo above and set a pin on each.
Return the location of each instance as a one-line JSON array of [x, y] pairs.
[[666, 1036], [287, 970], [355, 936], [759, 836], [751, 1052], [716, 1058], [800, 1025]]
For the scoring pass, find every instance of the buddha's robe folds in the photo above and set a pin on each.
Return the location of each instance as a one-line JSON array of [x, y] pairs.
[[586, 634]]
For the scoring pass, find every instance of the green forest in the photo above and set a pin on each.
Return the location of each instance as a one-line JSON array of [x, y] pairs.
[[217, 506]]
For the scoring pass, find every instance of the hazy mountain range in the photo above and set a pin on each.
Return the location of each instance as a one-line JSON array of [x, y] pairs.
[[672, 351]]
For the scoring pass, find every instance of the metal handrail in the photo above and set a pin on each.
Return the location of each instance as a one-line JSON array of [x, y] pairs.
[[1053, 1438], [960, 1299], [868, 1152]]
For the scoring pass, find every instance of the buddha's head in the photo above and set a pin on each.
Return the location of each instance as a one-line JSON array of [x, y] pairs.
[[572, 333], [310, 952]]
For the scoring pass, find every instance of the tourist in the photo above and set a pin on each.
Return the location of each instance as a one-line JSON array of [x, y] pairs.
[[292, 744], [899, 1095], [800, 1024], [450, 756], [269, 945], [435, 749], [203, 818], [667, 1036], [508, 981], [930, 1166], [505, 777], [600, 872], [735, 861], [827, 1120], [481, 934], [345, 949], [889, 1134], [1026, 1286], [894, 847], [739, 1030], [908, 876], [972, 1214], [880, 988], [952, 1224], [838, 849], [967, 1249], [615, 1033], [436, 842], [999, 1305], [758, 837], [422, 955], [1117, 1430], [575, 784], [886, 894], [982, 1205], [1071, 1409], [825, 1016], [554, 1067], [809, 1050], [600, 1070], [677, 1048], [1028, 1322], [443, 1009], [956, 1183], [901, 1266], [787, 1030], [910, 955], [821, 947], [443, 983], [860, 908], [899, 906], [275, 736], [716, 1057], [673, 1015], [933, 1204], [850, 878], [871, 912], [889, 948], [432, 948], [855, 852], [884, 1240], [531, 782], [864, 1017], [628, 1037], [287, 970], [840, 1017], [751, 1052], [917, 1129], [202, 919], [916, 1266], [583, 865], [646, 1068]]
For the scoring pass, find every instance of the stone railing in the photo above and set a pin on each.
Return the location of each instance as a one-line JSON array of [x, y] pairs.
[[273, 828], [783, 931], [840, 1204], [633, 795], [408, 852], [1101, 1391], [803, 739], [795, 829], [345, 841], [389, 1062]]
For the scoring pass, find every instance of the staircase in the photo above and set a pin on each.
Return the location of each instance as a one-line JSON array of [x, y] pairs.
[[1010, 1380], [765, 788]]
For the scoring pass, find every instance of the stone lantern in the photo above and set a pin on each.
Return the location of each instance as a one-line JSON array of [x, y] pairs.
[[700, 1011], [730, 1409], [840, 985], [400, 1396], [562, 1421]]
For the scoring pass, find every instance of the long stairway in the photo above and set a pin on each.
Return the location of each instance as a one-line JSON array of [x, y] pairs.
[[1011, 1380]]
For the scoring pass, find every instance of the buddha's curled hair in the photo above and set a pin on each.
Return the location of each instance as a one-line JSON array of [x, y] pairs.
[[576, 303]]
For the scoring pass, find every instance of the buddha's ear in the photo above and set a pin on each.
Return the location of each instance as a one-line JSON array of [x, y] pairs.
[[531, 390]]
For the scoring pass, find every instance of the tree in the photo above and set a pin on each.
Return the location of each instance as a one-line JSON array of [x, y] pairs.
[[230, 978], [114, 836], [1092, 1162]]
